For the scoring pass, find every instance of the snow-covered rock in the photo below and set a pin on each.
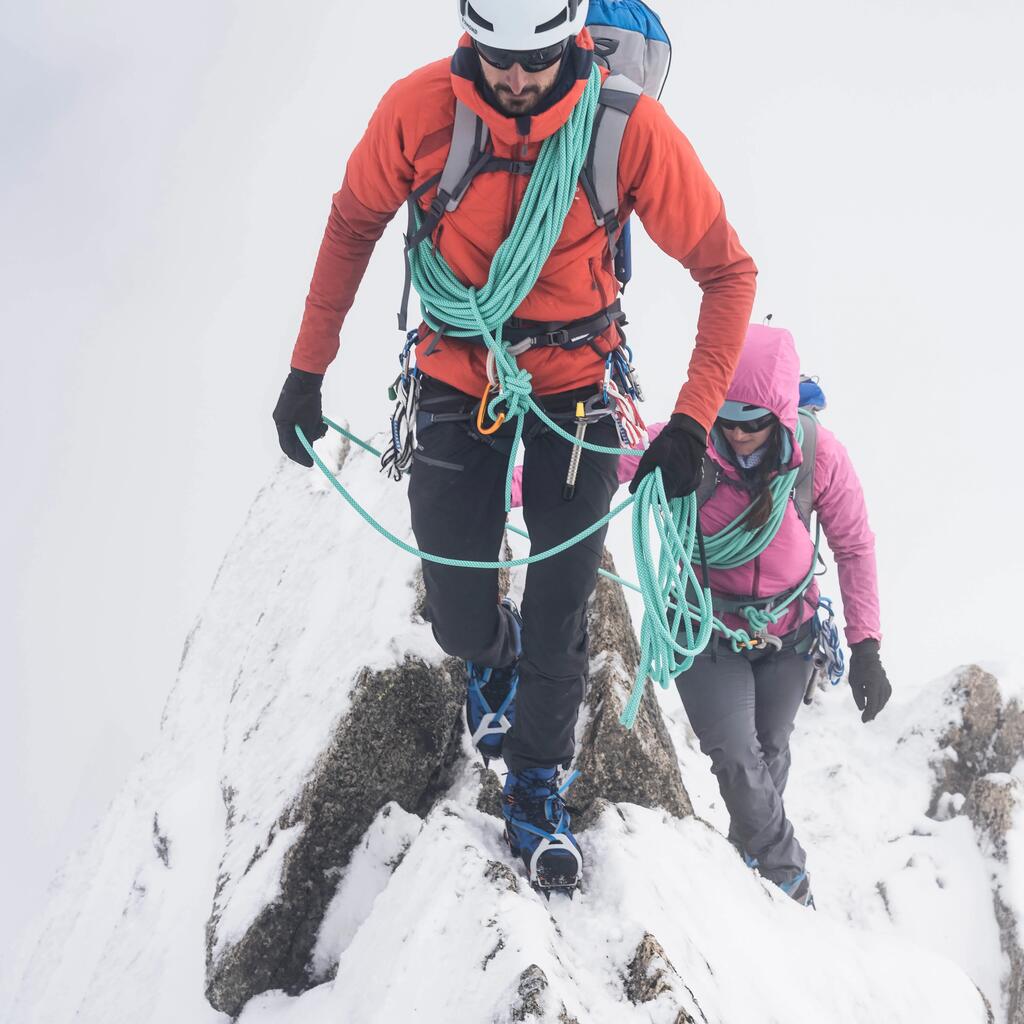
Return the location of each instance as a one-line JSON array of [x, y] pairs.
[[980, 773], [309, 841]]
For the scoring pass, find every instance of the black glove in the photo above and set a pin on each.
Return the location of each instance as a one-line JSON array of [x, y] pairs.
[[300, 404], [679, 451], [870, 684]]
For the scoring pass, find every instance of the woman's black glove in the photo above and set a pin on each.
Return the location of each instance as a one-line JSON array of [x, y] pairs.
[[870, 684], [679, 451], [300, 405]]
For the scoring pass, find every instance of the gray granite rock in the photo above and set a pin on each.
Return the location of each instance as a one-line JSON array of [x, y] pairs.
[[987, 735], [399, 741], [618, 765], [650, 976], [991, 804], [533, 1000], [977, 753]]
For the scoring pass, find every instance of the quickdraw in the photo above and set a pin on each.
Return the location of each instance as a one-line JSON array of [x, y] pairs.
[[826, 651], [405, 393]]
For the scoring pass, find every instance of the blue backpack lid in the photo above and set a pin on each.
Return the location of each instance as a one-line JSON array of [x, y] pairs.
[[811, 395], [632, 15]]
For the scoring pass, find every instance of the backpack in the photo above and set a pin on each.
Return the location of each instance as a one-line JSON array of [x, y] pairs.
[[812, 401], [631, 42]]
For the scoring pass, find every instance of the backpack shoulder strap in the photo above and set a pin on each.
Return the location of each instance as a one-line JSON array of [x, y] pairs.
[[466, 155], [600, 176], [803, 489]]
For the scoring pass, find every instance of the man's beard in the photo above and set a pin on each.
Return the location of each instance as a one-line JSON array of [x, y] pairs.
[[521, 104]]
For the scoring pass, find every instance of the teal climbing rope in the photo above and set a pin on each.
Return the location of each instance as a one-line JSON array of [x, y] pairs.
[[675, 602]]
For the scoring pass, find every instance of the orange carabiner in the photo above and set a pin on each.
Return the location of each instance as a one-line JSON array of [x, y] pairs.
[[480, 429]]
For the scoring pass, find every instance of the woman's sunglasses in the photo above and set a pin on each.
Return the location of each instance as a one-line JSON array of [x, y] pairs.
[[747, 426], [531, 61]]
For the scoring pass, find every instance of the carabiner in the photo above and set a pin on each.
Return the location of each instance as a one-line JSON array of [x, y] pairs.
[[480, 428]]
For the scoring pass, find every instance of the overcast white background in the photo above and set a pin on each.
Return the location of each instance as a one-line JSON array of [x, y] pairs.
[[165, 174]]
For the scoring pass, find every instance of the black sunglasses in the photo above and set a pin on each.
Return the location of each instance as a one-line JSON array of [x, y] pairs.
[[531, 61], [747, 426]]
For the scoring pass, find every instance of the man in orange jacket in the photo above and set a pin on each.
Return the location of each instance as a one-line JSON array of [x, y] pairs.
[[521, 68]]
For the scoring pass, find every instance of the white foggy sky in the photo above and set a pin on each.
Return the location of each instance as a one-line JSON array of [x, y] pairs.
[[164, 180]]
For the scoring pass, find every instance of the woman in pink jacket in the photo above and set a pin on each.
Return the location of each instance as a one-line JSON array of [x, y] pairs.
[[742, 706]]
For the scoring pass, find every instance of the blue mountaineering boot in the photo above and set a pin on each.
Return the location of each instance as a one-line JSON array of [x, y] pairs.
[[799, 889], [490, 697], [537, 829]]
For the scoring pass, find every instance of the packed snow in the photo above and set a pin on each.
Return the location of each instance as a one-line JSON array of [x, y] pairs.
[[432, 919]]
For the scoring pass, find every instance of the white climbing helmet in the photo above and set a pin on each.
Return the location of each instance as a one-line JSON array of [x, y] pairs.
[[522, 24]]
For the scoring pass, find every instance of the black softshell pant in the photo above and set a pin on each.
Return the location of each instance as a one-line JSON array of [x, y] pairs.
[[457, 499], [742, 708]]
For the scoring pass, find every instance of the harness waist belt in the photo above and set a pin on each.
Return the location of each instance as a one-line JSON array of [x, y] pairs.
[[794, 640], [735, 603], [552, 334]]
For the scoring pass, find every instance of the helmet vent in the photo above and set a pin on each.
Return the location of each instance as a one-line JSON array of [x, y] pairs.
[[559, 19], [482, 22]]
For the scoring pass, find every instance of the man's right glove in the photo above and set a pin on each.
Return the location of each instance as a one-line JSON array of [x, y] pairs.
[[679, 452], [300, 405], [870, 684]]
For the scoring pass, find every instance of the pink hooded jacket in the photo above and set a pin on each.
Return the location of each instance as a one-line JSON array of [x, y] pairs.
[[768, 375]]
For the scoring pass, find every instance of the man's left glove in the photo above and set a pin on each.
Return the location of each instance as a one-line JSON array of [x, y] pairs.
[[300, 405], [870, 684], [679, 452]]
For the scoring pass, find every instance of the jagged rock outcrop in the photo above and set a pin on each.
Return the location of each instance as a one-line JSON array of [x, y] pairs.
[[400, 740], [986, 737], [978, 751], [992, 804], [636, 766], [395, 744], [535, 1002], [651, 976]]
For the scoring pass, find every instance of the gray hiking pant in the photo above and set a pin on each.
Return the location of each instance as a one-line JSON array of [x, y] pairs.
[[457, 502], [742, 708]]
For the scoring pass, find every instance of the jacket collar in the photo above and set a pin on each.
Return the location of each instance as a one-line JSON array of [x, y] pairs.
[[530, 128]]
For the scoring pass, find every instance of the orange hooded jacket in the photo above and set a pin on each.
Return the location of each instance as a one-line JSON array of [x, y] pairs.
[[660, 177]]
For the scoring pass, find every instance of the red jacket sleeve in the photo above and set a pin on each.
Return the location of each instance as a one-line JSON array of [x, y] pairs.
[[682, 211], [378, 179], [352, 232]]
